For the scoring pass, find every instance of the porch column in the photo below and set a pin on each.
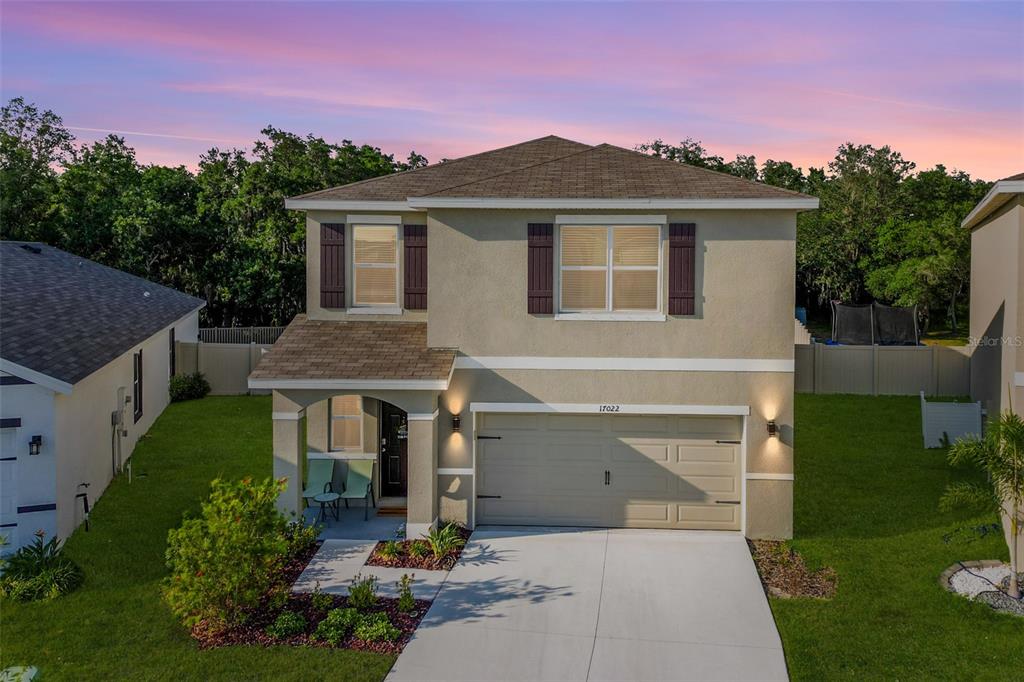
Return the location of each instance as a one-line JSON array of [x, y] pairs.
[[288, 457], [422, 467]]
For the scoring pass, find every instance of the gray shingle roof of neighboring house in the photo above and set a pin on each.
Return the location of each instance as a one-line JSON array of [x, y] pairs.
[[556, 168], [66, 317], [1018, 176]]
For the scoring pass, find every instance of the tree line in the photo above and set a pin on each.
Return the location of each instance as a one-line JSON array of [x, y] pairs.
[[883, 231]]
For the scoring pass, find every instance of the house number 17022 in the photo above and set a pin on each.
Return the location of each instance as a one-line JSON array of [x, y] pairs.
[[609, 408]]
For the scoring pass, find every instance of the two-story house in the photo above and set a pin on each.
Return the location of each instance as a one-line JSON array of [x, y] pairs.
[[550, 333]]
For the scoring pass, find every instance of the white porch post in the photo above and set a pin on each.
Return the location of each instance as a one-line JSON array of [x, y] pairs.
[[288, 457], [422, 487]]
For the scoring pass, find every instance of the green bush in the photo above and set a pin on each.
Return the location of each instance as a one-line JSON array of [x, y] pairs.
[[287, 624], [321, 601], [188, 387], [39, 571], [418, 549], [375, 627], [223, 562], [336, 626], [406, 602], [444, 540], [390, 549], [362, 593]]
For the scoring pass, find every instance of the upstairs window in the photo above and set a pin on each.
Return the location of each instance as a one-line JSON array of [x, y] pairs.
[[137, 385], [375, 265], [346, 432], [610, 268]]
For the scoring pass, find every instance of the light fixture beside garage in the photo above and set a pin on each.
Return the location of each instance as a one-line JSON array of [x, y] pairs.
[[35, 444], [456, 423], [773, 428]]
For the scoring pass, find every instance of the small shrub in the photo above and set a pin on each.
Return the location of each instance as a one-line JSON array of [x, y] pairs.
[[321, 602], [226, 560], [188, 387], [39, 571], [390, 549], [336, 626], [362, 593], [406, 602], [444, 540], [418, 549], [301, 537], [288, 624], [375, 627]]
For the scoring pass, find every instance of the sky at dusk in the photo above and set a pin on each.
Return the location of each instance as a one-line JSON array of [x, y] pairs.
[[941, 83]]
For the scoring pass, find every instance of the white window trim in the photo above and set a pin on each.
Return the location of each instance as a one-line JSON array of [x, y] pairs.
[[373, 219], [374, 308], [598, 220], [609, 313], [331, 417]]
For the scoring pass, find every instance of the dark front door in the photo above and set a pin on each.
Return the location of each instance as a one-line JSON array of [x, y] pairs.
[[394, 452]]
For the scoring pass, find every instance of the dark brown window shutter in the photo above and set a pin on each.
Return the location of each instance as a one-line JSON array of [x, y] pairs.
[[416, 267], [332, 265], [541, 272], [681, 268]]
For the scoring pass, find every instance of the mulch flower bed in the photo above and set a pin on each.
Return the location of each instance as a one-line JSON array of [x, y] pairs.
[[253, 632], [404, 559], [784, 573]]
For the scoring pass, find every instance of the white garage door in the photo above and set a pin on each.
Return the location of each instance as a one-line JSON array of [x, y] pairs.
[[626, 471]]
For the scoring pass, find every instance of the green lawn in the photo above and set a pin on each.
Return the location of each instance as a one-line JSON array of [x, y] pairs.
[[117, 626], [866, 496], [866, 504]]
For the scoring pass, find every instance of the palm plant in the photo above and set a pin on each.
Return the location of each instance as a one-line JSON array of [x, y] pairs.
[[1000, 453]]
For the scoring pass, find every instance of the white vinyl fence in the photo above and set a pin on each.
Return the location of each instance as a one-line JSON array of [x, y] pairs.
[[944, 422], [225, 365], [882, 370]]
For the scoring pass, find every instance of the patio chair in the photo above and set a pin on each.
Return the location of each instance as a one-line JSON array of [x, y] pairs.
[[319, 478], [359, 484]]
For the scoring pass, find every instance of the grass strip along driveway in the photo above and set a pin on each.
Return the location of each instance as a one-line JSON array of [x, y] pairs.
[[866, 503], [117, 626]]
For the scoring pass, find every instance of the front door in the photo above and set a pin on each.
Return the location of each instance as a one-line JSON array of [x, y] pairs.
[[394, 431]]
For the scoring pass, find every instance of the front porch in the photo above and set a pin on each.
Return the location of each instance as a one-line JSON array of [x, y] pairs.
[[348, 392]]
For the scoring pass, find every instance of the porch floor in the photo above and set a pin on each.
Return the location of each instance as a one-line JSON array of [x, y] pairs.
[[351, 525]]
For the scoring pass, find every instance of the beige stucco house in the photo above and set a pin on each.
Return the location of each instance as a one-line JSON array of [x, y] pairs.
[[550, 333], [86, 353], [997, 300]]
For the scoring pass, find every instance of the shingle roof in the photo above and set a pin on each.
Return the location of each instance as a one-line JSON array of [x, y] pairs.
[[330, 349], [1018, 176], [429, 179], [555, 168], [66, 316]]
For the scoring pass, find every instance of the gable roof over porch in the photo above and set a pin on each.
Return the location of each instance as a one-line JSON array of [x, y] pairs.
[[329, 354]]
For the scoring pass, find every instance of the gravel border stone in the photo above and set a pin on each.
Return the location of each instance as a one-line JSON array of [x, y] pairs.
[[974, 580]]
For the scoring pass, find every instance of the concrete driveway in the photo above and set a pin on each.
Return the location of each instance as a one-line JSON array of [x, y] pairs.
[[592, 604]]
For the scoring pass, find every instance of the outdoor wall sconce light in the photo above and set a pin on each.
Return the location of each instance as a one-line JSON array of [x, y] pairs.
[[773, 428], [35, 445], [456, 423]]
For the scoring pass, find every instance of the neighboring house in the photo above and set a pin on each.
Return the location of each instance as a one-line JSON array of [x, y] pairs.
[[997, 302], [85, 356], [997, 296], [551, 333]]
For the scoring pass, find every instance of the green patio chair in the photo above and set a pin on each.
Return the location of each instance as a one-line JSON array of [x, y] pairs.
[[359, 484], [319, 478]]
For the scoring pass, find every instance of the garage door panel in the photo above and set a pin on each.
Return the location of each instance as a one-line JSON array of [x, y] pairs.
[[664, 471], [636, 452], [723, 454]]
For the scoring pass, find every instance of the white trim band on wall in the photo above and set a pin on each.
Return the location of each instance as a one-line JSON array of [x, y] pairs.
[[626, 364], [286, 416], [769, 477], [422, 417], [373, 219], [346, 205], [454, 471], [611, 408], [611, 219], [796, 203]]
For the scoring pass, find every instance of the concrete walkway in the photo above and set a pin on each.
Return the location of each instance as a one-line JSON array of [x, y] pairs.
[[563, 604], [337, 562]]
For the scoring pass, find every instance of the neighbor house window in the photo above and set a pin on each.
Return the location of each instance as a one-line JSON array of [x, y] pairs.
[[375, 265], [171, 360], [346, 432], [610, 268], [137, 385]]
